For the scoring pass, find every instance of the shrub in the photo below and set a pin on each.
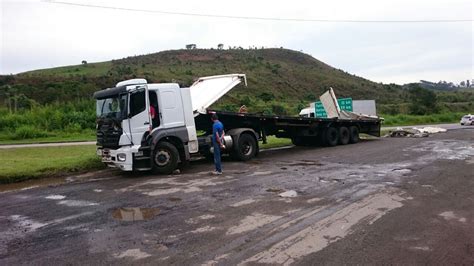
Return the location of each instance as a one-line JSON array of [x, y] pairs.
[[28, 132]]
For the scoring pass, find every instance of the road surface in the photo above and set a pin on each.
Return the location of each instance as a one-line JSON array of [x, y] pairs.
[[383, 201]]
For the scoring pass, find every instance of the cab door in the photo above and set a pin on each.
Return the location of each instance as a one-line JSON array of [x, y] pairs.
[[171, 108], [139, 113]]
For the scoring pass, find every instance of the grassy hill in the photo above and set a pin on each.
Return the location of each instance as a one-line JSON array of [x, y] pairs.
[[278, 79], [56, 104]]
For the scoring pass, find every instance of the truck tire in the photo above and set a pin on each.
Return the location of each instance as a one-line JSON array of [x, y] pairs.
[[331, 136], [344, 135], [354, 134], [165, 158], [246, 148]]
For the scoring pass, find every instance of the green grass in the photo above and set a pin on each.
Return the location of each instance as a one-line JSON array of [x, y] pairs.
[[28, 163], [54, 137], [91, 69], [274, 142], [408, 120]]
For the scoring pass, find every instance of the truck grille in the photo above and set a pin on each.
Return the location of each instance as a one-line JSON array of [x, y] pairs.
[[108, 137]]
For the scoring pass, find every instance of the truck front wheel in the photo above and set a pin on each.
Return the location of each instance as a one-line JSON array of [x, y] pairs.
[[165, 158], [246, 148]]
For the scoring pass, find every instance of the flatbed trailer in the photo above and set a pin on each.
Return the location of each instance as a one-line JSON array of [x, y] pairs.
[[303, 131]]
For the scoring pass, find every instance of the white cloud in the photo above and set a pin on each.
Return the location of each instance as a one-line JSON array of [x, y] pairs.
[[38, 34]]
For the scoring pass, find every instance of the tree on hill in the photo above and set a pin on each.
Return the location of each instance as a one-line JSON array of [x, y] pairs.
[[84, 62], [220, 46], [422, 101]]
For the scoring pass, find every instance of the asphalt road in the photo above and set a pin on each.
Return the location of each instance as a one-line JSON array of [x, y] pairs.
[[383, 201]]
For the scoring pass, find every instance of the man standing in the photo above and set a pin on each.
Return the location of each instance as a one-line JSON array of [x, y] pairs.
[[217, 143]]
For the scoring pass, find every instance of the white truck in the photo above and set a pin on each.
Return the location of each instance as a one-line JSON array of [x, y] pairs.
[[128, 137]]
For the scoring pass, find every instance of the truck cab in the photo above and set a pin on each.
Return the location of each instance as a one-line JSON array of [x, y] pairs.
[[128, 137]]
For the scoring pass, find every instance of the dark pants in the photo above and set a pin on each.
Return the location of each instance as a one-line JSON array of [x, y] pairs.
[[217, 157]]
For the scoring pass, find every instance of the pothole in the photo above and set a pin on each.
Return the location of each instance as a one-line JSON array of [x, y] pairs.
[[135, 214], [275, 190]]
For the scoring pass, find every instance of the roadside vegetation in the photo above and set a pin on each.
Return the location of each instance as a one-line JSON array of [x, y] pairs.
[[72, 121], [274, 142], [20, 164], [407, 120], [27, 163]]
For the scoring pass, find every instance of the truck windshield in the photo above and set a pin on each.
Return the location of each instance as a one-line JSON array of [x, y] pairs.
[[113, 107]]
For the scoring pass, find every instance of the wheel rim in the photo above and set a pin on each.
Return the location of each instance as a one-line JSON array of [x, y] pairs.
[[345, 135], [246, 148], [162, 157]]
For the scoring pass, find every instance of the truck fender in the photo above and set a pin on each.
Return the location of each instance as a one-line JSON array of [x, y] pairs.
[[236, 132], [176, 136]]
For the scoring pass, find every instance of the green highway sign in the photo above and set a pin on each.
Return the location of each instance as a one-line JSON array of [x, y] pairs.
[[344, 104]]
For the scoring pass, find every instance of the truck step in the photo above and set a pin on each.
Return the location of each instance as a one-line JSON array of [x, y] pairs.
[[144, 148]]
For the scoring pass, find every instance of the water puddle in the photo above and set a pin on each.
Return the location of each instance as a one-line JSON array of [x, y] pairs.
[[275, 190], [174, 199], [32, 183], [135, 214], [306, 163]]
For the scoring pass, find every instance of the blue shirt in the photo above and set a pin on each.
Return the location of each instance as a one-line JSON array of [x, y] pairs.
[[218, 127]]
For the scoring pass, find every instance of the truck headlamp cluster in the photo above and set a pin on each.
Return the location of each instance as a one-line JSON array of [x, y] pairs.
[[121, 157]]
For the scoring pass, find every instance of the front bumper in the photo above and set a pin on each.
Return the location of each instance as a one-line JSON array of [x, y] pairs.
[[120, 158]]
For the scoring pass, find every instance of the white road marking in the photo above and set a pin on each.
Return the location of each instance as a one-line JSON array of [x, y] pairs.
[[135, 254], [252, 222], [77, 203], [55, 197], [243, 202]]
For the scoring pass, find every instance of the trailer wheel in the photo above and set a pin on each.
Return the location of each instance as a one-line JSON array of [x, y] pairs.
[[354, 134], [165, 158], [331, 136], [246, 148], [344, 135]]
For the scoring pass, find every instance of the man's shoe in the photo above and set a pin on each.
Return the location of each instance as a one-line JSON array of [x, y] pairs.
[[216, 173]]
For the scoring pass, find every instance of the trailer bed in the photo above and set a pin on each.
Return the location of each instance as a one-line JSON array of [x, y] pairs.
[[285, 126]]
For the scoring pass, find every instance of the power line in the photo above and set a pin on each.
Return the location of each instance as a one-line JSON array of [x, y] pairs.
[[256, 18]]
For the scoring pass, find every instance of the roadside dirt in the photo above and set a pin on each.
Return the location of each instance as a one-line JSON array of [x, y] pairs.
[[384, 201]]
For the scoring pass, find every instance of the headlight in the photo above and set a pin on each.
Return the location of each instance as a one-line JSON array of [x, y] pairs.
[[121, 157]]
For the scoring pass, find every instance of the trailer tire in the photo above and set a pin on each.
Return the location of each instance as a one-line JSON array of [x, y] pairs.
[[165, 158], [344, 135], [331, 136], [246, 148], [354, 134]]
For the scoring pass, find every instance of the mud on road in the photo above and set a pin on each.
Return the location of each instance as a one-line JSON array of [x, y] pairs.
[[385, 201]]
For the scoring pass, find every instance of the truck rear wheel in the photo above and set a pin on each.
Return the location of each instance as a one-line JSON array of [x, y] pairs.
[[354, 134], [165, 158], [344, 135], [331, 136], [246, 148]]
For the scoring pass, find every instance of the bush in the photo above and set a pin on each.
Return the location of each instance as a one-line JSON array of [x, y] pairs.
[[28, 132]]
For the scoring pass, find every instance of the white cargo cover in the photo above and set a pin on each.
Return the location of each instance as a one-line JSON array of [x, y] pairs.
[[329, 101], [207, 90]]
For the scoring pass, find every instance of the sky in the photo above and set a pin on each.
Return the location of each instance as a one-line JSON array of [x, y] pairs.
[[39, 34]]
